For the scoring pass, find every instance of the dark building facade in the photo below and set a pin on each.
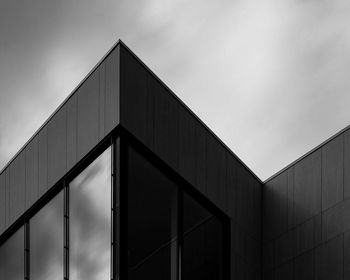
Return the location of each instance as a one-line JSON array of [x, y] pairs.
[[306, 217], [123, 181]]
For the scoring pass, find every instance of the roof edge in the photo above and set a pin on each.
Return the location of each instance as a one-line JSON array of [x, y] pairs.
[[190, 111], [119, 41], [307, 153]]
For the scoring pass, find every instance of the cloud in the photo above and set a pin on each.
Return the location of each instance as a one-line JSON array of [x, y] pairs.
[[268, 77]]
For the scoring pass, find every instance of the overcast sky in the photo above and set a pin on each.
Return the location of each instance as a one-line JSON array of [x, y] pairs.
[[269, 77]]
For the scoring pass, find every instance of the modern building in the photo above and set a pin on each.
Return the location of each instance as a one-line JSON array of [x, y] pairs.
[[123, 181]]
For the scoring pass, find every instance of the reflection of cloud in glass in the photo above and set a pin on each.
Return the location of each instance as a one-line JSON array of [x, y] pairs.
[[90, 221], [12, 257], [46, 241]]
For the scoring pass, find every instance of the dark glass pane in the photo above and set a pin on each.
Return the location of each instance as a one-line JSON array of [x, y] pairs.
[[12, 257], [194, 213], [162, 264], [90, 221], [46, 241], [202, 243], [152, 220]]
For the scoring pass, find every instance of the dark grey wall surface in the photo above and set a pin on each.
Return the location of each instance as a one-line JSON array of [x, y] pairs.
[[158, 119], [88, 115], [306, 216]]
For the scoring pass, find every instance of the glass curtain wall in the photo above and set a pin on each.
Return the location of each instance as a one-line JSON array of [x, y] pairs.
[[169, 233], [202, 242], [152, 221], [90, 206], [77, 221], [46, 241], [12, 257]]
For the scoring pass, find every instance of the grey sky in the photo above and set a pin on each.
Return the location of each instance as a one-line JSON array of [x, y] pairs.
[[269, 77]]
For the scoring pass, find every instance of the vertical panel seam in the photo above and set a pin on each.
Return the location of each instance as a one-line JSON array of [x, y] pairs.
[[76, 126], [343, 167], [206, 164], [322, 181], [9, 186], [25, 180], [47, 157], [226, 185], [321, 191], [99, 104], [102, 102], [293, 189], [25, 177], [343, 254], [37, 153], [6, 202], [66, 135]]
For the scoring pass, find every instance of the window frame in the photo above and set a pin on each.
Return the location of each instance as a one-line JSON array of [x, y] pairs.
[[128, 140], [111, 140], [118, 139]]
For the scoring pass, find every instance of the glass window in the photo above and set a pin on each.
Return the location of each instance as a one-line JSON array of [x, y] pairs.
[[46, 241], [12, 257], [152, 221], [154, 246], [90, 221], [202, 243]]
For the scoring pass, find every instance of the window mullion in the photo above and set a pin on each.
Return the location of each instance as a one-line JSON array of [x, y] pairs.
[[66, 232], [26, 251]]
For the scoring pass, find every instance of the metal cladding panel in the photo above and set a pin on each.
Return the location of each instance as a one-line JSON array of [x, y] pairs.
[[332, 172], [231, 181], [7, 193], [216, 172], [42, 151], [276, 206], [17, 186], [32, 172], [304, 266], [166, 124], [237, 239], [57, 146], [347, 255], [307, 187], [102, 101], [137, 98], [268, 256], [285, 271], [153, 115], [86, 117], [150, 112], [192, 153], [109, 91], [286, 247], [88, 114], [2, 202], [71, 131], [252, 251], [248, 209], [318, 229], [329, 260], [332, 222], [319, 212], [290, 186], [257, 214], [346, 136], [306, 233], [336, 220]]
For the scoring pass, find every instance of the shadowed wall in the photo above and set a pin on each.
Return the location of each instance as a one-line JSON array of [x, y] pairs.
[[306, 216]]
